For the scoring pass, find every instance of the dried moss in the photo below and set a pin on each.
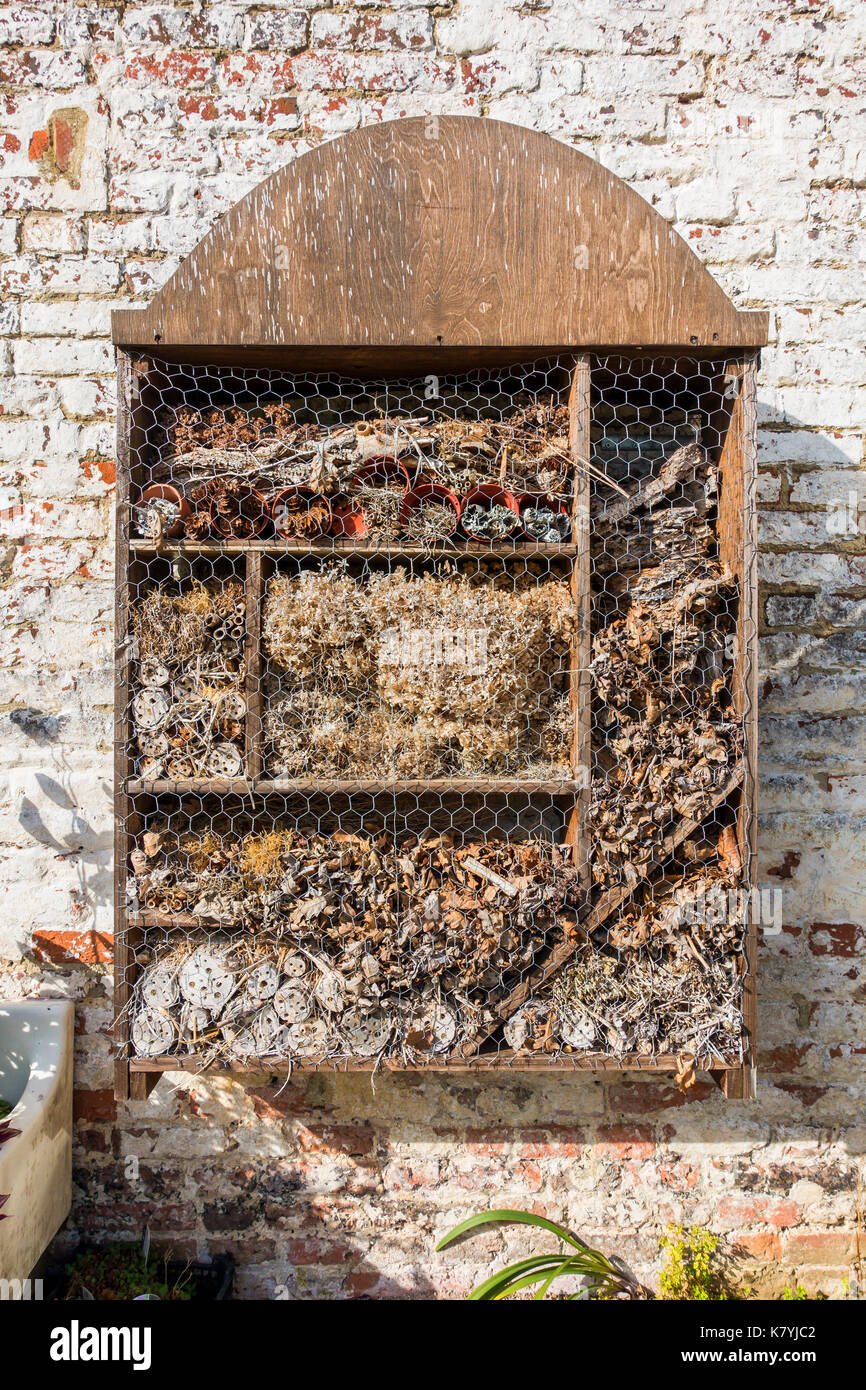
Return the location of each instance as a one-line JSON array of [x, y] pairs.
[[426, 675]]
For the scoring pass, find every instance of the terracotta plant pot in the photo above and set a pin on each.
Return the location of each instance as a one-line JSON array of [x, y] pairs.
[[378, 472], [386, 476], [349, 521], [254, 511], [285, 522], [429, 492], [165, 492], [489, 495], [550, 504]]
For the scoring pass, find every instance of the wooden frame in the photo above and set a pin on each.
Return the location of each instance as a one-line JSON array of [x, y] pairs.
[[563, 305]]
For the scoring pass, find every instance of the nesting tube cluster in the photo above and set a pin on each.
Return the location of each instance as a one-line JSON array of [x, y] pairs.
[[413, 478]]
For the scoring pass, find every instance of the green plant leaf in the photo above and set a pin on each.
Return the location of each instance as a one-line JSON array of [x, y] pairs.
[[503, 1276], [526, 1218], [515, 1287], [554, 1274], [571, 1266]]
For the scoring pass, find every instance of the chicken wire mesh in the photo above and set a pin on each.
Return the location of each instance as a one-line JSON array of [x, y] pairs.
[[386, 799]]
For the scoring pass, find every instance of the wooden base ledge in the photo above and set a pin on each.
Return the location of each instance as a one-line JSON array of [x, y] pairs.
[[501, 1061]]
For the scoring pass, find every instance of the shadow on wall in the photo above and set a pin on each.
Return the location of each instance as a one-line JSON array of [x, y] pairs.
[[331, 1186], [62, 907]]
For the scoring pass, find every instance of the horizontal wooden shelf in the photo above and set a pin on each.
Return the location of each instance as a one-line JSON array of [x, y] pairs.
[[398, 549], [371, 786], [581, 1061], [211, 786]]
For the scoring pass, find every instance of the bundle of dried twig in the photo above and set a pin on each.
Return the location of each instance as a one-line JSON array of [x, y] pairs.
[[188, 705], [391, 932]]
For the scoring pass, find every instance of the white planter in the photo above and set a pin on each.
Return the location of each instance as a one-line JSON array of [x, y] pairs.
[[36, 1038]]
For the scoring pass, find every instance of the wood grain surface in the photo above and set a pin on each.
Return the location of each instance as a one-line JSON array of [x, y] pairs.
[[440, 233]]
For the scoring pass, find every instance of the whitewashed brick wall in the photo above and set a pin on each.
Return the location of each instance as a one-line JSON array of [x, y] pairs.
[[743, 124]]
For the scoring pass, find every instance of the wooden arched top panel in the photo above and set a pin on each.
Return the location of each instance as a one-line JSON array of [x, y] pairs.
[[454, 233]]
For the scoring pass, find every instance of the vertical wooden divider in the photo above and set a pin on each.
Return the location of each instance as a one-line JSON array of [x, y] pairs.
[[737, 530], [131, 385], [579, 418], [121, 722], [254, 597], [747, 631]]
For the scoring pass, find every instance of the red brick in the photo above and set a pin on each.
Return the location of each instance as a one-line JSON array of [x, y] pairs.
[[352, 1140], [170, 69], [312, 1251], [205, 107], [783, 1059], [806, 1095], [92, 1141], [554, 1141], [644, 1098], [362, 1282], [835, 938], [64, 141], [94, 1105], [626, 1141], [764, 1209], [272, 110], [105, 469], [47, 68], [61, 947], [277, 74], [762, 1245], [680, 1177], [790, 862], [424, 1173], [39, 142], [831, 1248], [357, 30], [111, 1217], [276, 1102]]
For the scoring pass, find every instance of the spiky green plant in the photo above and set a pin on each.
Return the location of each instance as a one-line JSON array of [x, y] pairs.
[[605, 1278]]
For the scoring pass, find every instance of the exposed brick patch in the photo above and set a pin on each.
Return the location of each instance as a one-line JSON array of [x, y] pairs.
[[130, 1218], [805, 1094], [275, 1102], [762, 1245], [356, 1141], [60, 947], [783, 1059], [819, 1248], [59, 150], [836, 938], [765, 1211], [230, 1215], [626, 1141], [646, 1098], [93, 1105], [785, 869]]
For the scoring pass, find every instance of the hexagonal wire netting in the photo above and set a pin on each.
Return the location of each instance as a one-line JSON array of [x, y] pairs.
[[363, 821]]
